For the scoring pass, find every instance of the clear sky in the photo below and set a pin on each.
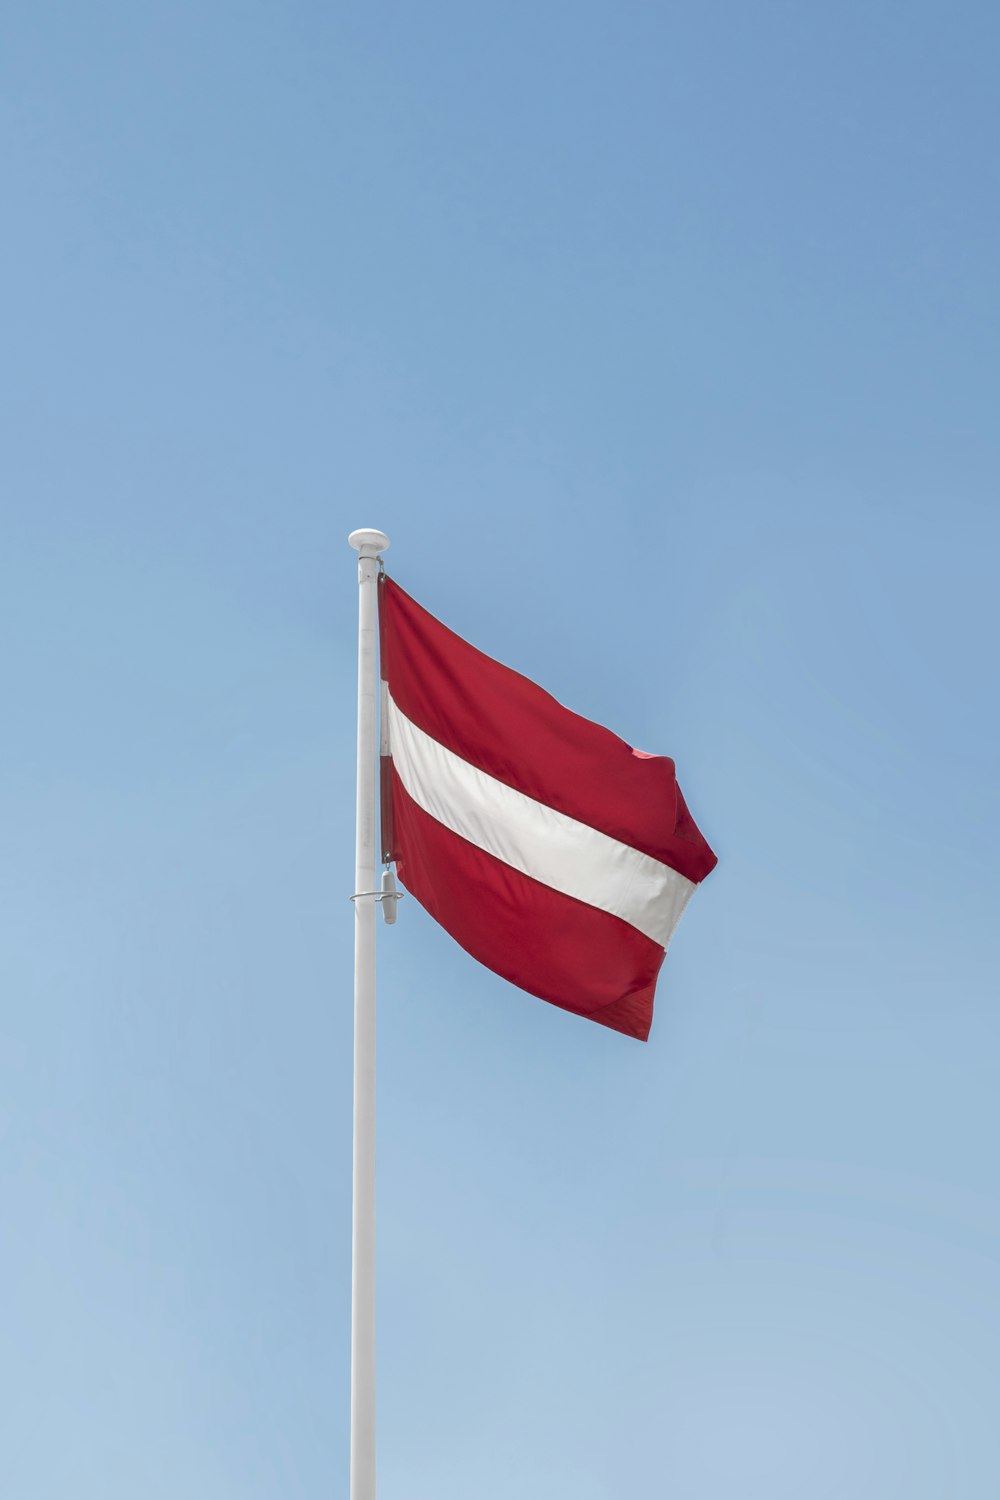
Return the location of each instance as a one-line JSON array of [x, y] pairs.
[[663, 341]]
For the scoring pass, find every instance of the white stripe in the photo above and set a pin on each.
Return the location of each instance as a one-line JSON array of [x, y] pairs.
[[535, 839]]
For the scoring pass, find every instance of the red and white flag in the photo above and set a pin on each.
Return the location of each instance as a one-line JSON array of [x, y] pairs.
[[552, 851]]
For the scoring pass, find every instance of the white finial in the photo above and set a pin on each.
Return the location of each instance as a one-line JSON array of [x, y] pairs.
[[367, 542]]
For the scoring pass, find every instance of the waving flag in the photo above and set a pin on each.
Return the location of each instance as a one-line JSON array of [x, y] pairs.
[[552, 851]]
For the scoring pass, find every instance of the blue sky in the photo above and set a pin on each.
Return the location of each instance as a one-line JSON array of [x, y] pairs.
[[663, 341]]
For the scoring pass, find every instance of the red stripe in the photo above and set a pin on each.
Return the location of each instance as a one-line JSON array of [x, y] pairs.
[[573, 955], [385, 810], [509, 727]]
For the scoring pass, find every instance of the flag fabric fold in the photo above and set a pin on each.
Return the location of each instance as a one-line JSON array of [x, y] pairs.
[[552, 851]]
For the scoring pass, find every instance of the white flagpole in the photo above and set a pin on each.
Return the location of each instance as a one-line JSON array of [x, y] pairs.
[[368, 544]]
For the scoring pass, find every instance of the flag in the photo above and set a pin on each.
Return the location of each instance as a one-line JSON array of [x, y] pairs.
[[553, 852]]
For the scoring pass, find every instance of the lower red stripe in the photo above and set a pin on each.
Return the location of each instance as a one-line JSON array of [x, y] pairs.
[[560, 949]]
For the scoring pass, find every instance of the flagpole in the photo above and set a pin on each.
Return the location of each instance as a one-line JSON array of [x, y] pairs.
[[368, 544]]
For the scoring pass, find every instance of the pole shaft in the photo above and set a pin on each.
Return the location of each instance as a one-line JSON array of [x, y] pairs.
[[363, 1231]]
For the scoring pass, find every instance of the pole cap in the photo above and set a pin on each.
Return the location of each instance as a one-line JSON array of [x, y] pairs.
[[367, 542]]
